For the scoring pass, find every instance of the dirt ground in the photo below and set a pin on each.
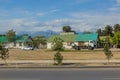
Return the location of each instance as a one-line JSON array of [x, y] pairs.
[[16, 54]]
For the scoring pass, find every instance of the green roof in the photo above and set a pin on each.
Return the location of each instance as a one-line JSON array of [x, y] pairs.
[[67, 38], [21, 38], [75, 38], [87, 37], [3, 38]]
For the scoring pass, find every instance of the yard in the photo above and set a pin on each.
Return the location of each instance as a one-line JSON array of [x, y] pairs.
[[68, 55]]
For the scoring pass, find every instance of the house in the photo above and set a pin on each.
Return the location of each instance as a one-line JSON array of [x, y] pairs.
[[67, 40], [19, 42], [77, 39]]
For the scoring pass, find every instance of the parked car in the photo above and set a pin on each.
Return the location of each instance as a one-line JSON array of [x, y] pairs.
[[27, 48]]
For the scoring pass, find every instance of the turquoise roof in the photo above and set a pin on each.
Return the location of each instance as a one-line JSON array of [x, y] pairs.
[[3, 38], [87, 37], [21, 38]]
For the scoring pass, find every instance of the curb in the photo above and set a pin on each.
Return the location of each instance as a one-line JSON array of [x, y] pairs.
[[52, 67]]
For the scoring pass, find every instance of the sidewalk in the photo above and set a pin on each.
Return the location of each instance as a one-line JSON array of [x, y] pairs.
[[64, 61], [66, 64]]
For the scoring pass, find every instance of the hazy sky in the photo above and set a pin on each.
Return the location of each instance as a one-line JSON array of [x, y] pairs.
[[42, 15]]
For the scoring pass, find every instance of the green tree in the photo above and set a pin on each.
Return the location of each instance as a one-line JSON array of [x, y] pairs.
[[107, 52], [58, 46], [116, 27], [4, 53], [99, 31], [108, 30], [11, 35], [66, 29], [37, 40], [87, 32], [58, 58], [116, 39]]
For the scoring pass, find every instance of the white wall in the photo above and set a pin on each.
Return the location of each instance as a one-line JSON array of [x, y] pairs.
[[49, 45], [66, 45]]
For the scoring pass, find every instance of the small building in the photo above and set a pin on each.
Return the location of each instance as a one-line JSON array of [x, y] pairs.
[[83, 39], [77, 39], [19, 42], [67, 40]]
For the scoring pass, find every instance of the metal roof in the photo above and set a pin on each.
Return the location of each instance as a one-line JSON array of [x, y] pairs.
[[75, 38]]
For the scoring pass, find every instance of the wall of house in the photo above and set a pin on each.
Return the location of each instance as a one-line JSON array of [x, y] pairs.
[[66, 45], [9, 45], [49, 45], [18, 45]]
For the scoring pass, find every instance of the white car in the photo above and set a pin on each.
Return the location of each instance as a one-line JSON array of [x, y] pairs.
[[27, 48]]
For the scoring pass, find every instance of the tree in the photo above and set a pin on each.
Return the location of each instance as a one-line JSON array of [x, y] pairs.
[[11, 35], [37, 40], [99, 31], [58, 58], [4, 53], [116, 39], [116, 27], [58, 46], [108, 30], [66, 29], [87, 32], [107, 52]]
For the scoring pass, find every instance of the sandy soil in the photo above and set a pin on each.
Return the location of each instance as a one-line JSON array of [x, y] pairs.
[[48, 55]]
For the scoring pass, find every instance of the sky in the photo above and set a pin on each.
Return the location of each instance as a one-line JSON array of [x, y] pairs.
[[43, 15]]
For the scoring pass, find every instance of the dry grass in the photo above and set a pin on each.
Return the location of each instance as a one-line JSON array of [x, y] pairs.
[[48, 55]]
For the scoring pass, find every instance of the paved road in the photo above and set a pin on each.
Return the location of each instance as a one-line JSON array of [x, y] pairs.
[[60, 74]]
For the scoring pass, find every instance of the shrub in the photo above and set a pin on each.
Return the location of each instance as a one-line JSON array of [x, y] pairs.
[[58, 58]]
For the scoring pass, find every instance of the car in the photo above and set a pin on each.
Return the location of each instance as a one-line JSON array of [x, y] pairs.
[[27, 48]]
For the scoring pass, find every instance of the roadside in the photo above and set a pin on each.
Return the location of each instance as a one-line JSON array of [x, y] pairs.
[[44, 59], [66, 64]]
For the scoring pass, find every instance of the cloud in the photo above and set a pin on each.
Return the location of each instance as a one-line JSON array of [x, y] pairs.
[[94, 20], [40, 14], [78, 22], [118, 2], [114, 9], [48, 12]]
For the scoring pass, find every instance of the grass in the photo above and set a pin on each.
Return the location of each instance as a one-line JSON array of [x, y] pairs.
[[67, 55], [82, 50]]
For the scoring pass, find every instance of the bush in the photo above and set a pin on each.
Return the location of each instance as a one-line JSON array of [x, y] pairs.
[[58, 58], [4, 53], [107, 52]]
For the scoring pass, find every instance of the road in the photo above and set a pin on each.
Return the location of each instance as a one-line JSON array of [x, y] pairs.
[[60, 74]]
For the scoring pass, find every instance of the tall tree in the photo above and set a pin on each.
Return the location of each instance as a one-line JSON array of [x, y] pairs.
[[66, 29], [108, 30], [99, 31], [116, 27], [58, 46], [37, 40], [11, 35], [4, 53], [107, 52], [116, 39]]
